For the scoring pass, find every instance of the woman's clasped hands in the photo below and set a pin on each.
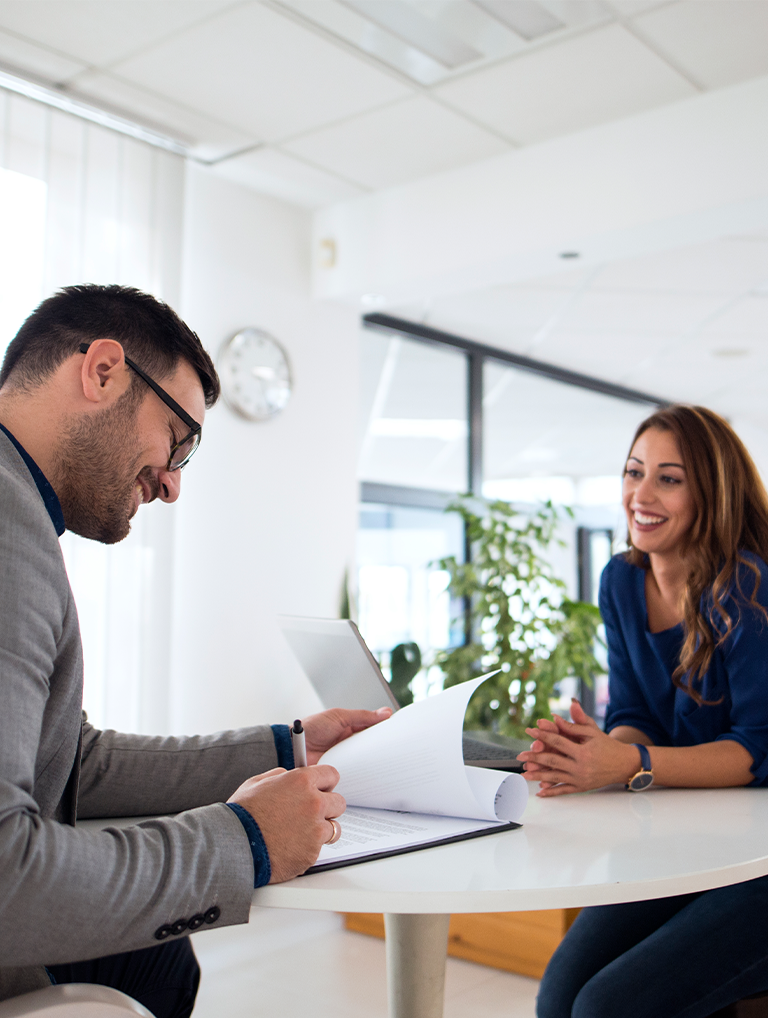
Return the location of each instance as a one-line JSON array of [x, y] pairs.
[[576, 755]]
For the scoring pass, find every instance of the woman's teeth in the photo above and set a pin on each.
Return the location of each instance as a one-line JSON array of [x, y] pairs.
[[647, 521]]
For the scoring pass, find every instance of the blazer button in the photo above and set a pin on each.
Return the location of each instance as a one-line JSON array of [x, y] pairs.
[[196, 921], [212, 914], [178, 927], [162, 932]]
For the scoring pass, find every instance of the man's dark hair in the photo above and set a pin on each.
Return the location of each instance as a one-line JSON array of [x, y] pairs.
[[150, 332]]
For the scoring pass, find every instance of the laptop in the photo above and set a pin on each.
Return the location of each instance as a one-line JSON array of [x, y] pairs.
[[344, 673]]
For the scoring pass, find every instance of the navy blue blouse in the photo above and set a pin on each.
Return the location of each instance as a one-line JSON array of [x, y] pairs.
[[641, 663]]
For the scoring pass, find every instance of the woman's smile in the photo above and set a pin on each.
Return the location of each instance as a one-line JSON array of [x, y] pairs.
[[656, 494]]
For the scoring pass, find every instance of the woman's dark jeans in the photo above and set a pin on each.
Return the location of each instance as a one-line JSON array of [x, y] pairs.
[[682, 957]]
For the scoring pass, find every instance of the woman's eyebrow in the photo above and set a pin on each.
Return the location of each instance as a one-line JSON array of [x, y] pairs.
[[635, 458], [679, 465]]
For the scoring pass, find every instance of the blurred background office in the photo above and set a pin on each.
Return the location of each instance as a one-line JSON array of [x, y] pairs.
[[567, 198]]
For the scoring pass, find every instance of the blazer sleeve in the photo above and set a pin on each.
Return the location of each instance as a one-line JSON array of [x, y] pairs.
[[66, 893], [136, 775]]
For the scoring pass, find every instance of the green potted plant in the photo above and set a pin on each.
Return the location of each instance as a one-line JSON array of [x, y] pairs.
[[520, 620]]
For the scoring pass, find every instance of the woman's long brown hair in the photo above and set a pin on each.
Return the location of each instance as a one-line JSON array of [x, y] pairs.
[[731, 517]]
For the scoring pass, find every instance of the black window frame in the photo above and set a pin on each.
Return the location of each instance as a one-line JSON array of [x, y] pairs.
[[477, 355]]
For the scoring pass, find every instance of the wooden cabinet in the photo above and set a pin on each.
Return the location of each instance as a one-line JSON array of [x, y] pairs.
[[521, 942]]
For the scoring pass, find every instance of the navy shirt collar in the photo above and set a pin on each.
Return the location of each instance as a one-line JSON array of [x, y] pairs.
[[48, 495]]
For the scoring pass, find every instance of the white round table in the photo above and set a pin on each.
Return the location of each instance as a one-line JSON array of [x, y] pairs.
[[590, 849]]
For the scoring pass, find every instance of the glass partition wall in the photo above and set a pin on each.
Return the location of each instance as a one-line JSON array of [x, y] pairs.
[[442, 415]]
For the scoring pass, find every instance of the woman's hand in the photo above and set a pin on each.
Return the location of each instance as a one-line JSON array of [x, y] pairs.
[[574, 756]]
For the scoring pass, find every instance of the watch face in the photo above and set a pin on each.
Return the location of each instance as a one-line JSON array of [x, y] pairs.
[[641, 781], [255, 374]]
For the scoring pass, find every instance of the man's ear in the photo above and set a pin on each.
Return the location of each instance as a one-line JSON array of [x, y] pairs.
[[103, 373]]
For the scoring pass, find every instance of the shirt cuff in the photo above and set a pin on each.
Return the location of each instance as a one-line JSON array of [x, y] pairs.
[[284, 746], [262, 869]]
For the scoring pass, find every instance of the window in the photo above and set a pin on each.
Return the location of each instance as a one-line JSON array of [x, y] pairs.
[[80, 203], [441, 415]]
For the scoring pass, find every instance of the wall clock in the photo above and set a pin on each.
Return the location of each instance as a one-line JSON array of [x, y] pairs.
[[255, 374]]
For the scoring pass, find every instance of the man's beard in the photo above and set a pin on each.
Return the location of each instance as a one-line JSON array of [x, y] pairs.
[[96, 471]]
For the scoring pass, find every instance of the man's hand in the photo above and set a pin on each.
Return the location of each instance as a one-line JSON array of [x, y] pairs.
[[332, 726], [292, 809], [574, 756]]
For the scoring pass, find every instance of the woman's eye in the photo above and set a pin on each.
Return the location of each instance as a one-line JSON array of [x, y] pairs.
[[666, 479], [631, 472]]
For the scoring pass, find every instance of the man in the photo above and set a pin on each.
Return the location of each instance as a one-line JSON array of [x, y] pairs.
[[102, 398]]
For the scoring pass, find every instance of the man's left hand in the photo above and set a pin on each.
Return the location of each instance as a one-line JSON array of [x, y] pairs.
[[332, 726]]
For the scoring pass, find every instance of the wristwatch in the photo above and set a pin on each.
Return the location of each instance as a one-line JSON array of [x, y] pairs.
[[644, 777]]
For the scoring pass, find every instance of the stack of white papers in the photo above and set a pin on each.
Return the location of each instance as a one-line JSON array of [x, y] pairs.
[[407, 786]]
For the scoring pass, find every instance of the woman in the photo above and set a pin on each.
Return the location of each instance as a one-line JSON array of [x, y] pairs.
[[686, 618]]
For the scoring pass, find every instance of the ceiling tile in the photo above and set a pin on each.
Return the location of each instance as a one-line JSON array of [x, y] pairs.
[[20, 55], [406, 140], [97, 32], [282, 176], [263, 72], [676, 314], [728, 266], [630, 8], [507, 317], [746, 317], [611, 355], [207, 138], [718, 42], [692, 374], [602, 75]]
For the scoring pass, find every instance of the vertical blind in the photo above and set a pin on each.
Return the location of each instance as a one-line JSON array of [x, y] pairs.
[[81, 203]]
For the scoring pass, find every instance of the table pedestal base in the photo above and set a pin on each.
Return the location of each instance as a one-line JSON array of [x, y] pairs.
[[416, 950]]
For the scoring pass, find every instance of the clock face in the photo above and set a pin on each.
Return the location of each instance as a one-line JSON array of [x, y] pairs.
[[255, 375]]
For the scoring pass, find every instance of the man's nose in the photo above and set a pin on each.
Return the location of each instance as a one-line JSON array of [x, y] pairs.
[[169, 482]]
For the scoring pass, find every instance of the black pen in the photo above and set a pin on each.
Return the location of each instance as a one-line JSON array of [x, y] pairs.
[[299, 744]]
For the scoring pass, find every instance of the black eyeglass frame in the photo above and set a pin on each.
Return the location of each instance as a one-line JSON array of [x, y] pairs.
[[196, 429]]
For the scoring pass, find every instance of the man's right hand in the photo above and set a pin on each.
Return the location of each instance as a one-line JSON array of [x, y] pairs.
[[292, 809]]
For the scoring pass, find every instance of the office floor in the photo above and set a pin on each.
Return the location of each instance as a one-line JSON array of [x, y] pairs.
[[306, 962]]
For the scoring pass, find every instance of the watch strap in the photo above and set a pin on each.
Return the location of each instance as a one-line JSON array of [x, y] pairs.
[[645, 756]]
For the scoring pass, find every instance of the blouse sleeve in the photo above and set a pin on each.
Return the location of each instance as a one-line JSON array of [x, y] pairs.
[[745, 657], [627, 704]]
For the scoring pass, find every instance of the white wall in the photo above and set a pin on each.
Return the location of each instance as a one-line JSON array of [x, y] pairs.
[[266, 522]]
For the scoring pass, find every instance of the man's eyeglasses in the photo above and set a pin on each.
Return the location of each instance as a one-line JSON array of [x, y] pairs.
[[183, 451]]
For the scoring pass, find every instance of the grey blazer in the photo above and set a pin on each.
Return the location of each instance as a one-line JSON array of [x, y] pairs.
[[67, 894]]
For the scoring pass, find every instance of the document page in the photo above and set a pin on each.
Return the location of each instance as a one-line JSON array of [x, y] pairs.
[[414, 762], [377, 833]]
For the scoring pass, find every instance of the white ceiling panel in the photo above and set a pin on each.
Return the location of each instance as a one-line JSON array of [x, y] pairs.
[[208, 138], [99, 32], [600, 76], [406, 140], [630, 8], [727, 266], [718, 41], [611, 355], [282, 176], [632, 312], [506, 316], [21, 55], [747, 317], [262, 73]]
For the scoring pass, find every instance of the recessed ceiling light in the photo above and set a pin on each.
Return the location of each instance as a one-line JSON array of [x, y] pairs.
[[730, 351], [423, 33], [526, 17]]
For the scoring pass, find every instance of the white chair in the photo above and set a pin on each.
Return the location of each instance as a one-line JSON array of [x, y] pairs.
[[73, 1000]]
